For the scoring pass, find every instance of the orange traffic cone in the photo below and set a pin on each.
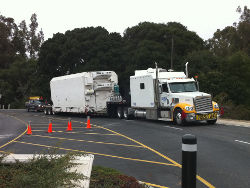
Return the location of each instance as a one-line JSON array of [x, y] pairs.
[[29, 132], [69, 125], [50, 127], [88, 122]]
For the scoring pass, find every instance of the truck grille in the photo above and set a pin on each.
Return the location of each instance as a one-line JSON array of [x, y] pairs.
[[203, 104]]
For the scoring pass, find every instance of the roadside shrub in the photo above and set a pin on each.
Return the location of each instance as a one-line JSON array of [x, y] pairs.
[[231, 110], [40, 172], [239, 112]]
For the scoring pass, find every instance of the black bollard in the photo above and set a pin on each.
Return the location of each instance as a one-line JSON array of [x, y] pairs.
[[189, 161]]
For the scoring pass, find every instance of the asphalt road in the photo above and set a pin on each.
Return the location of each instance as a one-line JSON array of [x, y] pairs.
[[147, 150]]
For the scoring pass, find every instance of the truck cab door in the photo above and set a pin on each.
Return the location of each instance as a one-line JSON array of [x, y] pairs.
[[164, 95]]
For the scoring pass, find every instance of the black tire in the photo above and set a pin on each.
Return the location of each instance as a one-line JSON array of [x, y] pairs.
[[119, 112], [45, 111], [126, 115], [211, 122], [28, 109], [49, 111], [177, 117]]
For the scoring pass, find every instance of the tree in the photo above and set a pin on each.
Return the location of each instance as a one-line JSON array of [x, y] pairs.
[[245, 14], [138, 39], [20, 39], [232, 38], [83, 49], [237, 78], [35, 39], [224, 42], [17, 87], [231, 46], [7, 31], [18, 71]]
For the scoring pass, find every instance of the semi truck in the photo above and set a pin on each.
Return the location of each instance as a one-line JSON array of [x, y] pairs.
[[156, 94]]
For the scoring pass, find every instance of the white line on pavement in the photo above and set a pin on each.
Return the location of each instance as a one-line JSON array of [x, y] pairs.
[[111, 124], [242, 142], [173, 128], [5, 135]]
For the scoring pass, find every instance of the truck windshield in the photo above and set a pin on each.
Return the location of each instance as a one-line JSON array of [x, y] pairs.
[[183, 87]]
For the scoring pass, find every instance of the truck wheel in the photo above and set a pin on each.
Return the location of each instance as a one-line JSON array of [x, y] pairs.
[[28, 109], [211, 122], [177, 117], [120, 113], [49, 111], [126, 115], [45, 111]]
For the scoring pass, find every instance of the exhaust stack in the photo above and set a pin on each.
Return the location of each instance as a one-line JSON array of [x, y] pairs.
[[186, 69]]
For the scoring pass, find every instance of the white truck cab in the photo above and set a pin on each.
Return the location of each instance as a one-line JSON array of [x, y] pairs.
[[172, 96]]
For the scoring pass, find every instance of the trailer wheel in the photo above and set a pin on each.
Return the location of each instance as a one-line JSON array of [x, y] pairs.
[[120, 113], [45, 111], [49, 111], [125, 113], [177, 117]]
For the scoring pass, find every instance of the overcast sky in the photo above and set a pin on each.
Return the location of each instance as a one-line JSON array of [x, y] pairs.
[[201, 16]]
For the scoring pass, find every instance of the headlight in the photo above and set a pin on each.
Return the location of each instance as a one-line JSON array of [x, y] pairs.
[[39, 105], [216, 105], [189, 108]]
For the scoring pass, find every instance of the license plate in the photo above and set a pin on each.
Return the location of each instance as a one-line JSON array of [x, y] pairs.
[[201, 117]]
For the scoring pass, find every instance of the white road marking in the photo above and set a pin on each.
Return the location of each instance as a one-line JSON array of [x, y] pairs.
[[173, 128], [5, 135], [242, 142], [110, 124]]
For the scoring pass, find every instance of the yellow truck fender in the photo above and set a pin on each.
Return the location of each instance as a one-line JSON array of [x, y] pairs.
[[182, 107], [214, 104]]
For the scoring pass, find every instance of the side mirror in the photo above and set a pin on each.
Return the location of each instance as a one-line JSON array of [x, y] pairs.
[[160, 89]]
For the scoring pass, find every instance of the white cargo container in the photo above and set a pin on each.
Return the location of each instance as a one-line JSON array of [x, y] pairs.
[[86, 92]]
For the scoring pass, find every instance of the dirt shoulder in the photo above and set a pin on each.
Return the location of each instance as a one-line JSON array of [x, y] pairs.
[[241, 123]]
